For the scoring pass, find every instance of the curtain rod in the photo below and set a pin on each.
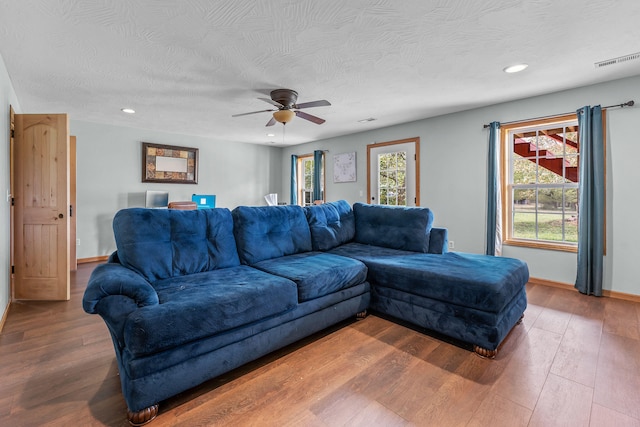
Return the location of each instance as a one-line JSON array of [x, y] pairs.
[[626, 104]]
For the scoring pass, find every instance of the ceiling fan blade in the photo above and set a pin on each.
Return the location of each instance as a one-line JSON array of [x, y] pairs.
[[271, 122], [320, 103], [253, 112], [314, 119], [272, 102]]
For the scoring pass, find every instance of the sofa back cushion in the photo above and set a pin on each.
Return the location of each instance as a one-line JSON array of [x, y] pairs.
[[331, 224], [393, 227], [163, 243], [267, 232]]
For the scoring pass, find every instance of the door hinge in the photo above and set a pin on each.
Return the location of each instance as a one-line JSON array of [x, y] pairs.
[[415, 200], [70, 210], [13, 201], [13, 269], [415, 157], [13, 133]]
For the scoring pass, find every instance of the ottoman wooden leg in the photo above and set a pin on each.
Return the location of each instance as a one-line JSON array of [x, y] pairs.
[[144, 416], [483, 352], [491, 354], [361, 315]]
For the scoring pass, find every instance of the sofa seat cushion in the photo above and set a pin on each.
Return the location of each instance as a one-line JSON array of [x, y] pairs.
[[366, 253], [199, 305], [316, 274], [482, 282]]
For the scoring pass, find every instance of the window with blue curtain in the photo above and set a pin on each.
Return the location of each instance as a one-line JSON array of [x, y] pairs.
[[307, 182]]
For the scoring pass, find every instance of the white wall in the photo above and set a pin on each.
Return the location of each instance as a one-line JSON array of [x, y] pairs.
[[109, 176], [7, 97], [453, 175]]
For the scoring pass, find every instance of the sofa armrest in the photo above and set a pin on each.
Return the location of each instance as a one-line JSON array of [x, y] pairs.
[[438, 241], [114, 279]]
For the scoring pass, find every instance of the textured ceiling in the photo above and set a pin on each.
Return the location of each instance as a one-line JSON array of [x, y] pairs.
[[187, 66]]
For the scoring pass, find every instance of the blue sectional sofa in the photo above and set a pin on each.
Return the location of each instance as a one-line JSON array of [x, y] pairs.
[[190, 295]]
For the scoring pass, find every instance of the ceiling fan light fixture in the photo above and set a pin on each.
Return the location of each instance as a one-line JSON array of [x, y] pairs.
[[284, 116]]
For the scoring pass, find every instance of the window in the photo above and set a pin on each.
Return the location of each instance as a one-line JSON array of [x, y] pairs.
[[305, 180], [391, 178], [540, 183]]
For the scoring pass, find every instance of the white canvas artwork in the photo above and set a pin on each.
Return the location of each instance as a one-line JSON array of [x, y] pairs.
[[344, 167]]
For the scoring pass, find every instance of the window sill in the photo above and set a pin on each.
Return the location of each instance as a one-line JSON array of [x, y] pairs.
[[542, 245]]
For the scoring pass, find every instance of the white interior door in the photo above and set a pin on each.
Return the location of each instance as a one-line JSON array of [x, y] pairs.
[[393, 173]]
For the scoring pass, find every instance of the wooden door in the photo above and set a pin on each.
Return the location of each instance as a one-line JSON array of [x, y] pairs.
[[393, 173], [41, 207]]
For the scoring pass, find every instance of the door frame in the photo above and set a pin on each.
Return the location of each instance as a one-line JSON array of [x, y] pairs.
[[73, 258], [73, 208], [12, 114], [416, 141]]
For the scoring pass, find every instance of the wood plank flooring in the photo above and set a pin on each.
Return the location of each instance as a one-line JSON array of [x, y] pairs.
[[574, 361]]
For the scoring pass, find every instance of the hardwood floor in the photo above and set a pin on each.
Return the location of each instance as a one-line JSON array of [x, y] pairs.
[[574, 361]]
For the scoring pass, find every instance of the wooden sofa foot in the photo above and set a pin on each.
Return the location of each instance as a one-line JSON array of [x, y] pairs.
[[491, 354], [144, 416], [361, 315], [483, 352]]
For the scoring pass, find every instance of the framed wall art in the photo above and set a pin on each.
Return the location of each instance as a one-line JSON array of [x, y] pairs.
[[344, 167], [169, 164]]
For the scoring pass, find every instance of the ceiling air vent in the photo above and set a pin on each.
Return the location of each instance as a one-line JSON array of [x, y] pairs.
[[618, 60]]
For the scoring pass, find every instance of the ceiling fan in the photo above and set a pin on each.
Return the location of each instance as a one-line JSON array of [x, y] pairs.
[[287, 109]]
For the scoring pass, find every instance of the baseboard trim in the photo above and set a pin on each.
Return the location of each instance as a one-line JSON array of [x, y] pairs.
[[605, 292], [4, 316], [551, 283], [93, 259]]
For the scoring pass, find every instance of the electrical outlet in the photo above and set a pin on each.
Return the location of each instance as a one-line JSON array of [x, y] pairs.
[[452, 244], [77, 242]]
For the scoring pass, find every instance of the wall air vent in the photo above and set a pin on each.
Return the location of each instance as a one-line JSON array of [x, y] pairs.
[[618, 60]]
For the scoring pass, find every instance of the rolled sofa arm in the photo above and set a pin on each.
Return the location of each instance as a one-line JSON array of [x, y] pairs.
[[438, 241], [113, 279]]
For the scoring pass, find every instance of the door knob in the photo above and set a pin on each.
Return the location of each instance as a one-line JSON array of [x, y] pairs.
[[60, 216]]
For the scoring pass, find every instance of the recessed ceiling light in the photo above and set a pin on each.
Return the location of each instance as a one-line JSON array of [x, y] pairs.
[[370, 119], [128, 110], [271, 134], [515, 68]]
